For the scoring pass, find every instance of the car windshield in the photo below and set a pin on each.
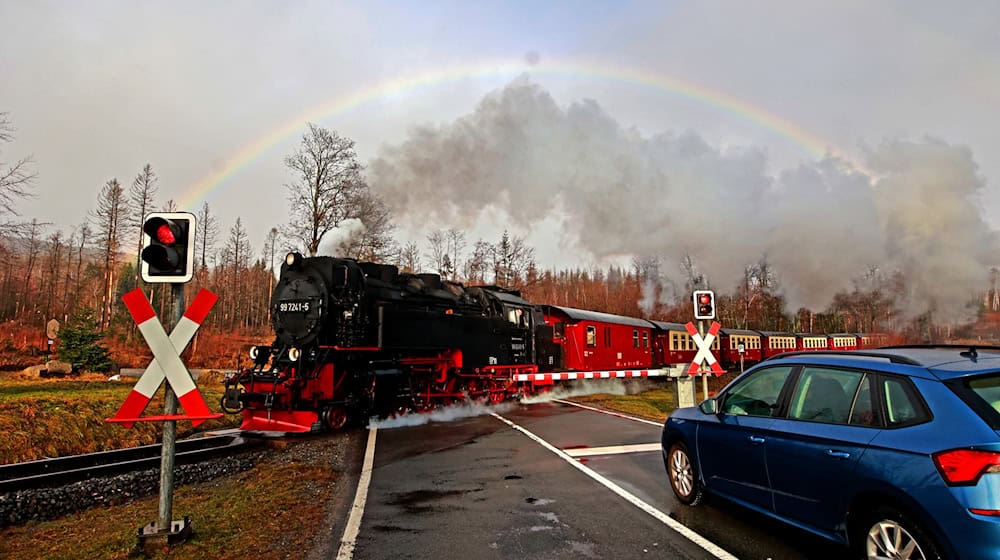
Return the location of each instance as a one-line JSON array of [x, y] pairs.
[[983, 395]]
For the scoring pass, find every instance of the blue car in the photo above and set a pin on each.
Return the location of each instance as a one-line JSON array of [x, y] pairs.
[[893, 452]]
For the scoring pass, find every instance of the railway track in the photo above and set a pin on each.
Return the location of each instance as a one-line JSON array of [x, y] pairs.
[[47, 473]]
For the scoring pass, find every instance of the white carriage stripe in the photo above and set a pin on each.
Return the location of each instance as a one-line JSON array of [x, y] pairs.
[[559, 376]]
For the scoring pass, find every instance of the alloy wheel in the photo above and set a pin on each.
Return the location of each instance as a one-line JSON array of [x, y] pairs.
[[889, 540]]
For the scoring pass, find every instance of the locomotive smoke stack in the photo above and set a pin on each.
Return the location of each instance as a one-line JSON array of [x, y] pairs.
[[821, 225]]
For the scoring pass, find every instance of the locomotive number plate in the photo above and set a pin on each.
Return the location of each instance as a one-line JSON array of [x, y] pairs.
[[302, 306]]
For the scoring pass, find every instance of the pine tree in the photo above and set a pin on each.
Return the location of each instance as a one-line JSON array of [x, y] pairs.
[[79, 343]]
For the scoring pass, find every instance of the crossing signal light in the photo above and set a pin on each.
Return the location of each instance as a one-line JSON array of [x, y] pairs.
[[704, 304], [168, 247]]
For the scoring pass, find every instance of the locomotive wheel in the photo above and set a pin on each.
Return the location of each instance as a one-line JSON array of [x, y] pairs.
[[335, 418]]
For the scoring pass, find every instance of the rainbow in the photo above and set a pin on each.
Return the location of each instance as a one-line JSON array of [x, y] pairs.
[[814, 145]]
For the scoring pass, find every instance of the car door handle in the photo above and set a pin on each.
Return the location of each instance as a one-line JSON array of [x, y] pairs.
[[756, 439], [838, 454]]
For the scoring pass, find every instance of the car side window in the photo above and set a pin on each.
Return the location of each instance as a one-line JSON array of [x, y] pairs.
[[902, 406], [824, 395], [758, 393]]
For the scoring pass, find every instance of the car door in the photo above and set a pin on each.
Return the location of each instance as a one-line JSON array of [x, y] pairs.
[[812, 452], [731, 443]]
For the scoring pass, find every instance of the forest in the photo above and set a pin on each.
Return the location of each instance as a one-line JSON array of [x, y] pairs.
[[78, 273]]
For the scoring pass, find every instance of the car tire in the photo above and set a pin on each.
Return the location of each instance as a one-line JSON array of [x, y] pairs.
[[890, 533], [683, 475]]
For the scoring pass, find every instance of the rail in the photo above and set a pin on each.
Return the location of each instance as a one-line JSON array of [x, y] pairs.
[[46, 473]]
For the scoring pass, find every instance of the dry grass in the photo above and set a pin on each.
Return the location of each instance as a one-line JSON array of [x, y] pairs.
[[43, 418], [274, 511]]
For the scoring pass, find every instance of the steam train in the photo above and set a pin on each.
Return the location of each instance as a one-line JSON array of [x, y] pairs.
[[357, 339]]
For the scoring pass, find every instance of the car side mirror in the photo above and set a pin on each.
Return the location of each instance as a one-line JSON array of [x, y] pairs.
[[709, 406]]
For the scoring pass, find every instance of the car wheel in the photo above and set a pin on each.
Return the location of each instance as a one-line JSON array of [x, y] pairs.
[[683, 475], [889, 534]]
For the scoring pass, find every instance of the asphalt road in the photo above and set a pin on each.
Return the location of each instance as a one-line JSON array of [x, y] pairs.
[[479, 488]]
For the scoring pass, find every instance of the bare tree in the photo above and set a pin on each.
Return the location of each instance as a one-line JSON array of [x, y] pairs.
[[456, 245], [477, 264], [328, 177], [409, 258], [110, 217], [238, 250], [52, 272], [512, 258], [141, 195], [33, 231], [170, 206], [208, 230], [15, 179], [374, 241], [438, 250]]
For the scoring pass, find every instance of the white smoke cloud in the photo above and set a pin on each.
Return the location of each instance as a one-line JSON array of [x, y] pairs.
[[821, 225], [333, 242], [443, 414]]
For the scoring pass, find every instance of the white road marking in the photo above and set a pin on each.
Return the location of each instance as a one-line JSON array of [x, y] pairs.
[[602, 411], [709, 546], [613, 449], [350, 538]]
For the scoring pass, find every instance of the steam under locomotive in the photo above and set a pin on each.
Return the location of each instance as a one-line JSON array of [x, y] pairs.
[[356, 339]]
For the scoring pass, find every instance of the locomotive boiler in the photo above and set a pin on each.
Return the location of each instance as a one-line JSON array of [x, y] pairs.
[[355, 339]]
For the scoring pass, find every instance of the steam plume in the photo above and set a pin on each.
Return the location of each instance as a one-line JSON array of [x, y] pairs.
[[821, 224]]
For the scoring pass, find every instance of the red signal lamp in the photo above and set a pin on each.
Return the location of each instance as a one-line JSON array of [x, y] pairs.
[[165, 234]]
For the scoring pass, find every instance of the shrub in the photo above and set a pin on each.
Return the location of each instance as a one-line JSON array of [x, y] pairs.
[[80, 343]]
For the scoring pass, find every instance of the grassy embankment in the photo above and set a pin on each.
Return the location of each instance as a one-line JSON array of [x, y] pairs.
[[41, 418], [249, 515]]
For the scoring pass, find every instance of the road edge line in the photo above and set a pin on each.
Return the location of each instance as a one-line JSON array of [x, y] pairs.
[[350, 538], [707, 545]]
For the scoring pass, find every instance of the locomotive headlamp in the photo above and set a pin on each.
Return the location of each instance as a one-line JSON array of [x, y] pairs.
[[253, 352], [294, 354], [292, 259]]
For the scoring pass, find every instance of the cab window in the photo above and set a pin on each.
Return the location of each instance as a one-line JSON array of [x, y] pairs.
[[591, 336], [758, 393]]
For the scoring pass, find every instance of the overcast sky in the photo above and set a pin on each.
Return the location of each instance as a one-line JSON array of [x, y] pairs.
[[97, 89]]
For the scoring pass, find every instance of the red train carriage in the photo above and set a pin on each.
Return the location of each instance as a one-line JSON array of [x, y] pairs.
[[731, 340], [593, 341], [872, 340], [808, 341], [774, 343], [843, 341], [674, 345]]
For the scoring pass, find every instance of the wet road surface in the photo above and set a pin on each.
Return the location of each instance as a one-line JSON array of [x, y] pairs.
[[478, 488]]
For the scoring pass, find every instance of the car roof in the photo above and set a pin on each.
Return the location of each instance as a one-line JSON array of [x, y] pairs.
[[942, 361]]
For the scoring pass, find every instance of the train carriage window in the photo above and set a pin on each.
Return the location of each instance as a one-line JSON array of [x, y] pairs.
[[635, 338], [591, 336], [645, 339]]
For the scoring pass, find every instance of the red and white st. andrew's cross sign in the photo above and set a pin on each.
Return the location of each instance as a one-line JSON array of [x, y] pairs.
[[704, 346], [166, 362]]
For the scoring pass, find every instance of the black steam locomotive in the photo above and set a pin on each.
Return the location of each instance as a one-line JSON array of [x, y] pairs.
[[353, 339]]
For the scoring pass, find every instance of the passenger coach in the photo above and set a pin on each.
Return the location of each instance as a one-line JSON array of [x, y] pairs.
[[593, 341]]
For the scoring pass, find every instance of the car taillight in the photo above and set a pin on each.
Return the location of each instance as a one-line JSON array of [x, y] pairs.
[[965, 466]]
